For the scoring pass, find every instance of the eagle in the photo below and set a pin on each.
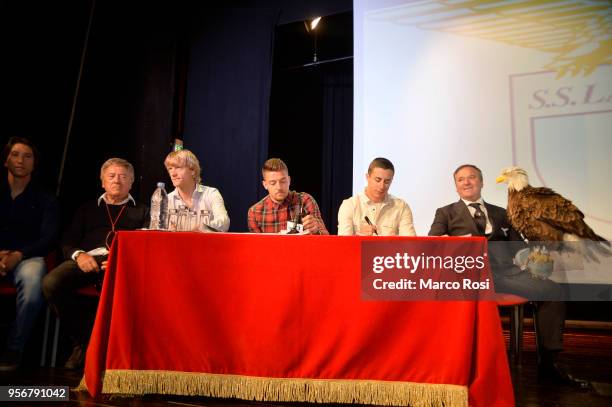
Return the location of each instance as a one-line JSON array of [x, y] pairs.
[[541, 214]]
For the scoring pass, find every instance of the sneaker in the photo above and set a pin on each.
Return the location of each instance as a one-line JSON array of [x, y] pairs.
[[10, 361], [77, 358]]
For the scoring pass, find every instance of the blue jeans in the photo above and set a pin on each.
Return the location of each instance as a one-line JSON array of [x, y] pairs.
[[27, 278]]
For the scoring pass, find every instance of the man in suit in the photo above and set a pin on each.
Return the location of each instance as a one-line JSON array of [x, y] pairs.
[[472, 216]]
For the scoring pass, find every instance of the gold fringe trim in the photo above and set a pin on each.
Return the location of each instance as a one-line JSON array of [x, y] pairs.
[[140, 382]]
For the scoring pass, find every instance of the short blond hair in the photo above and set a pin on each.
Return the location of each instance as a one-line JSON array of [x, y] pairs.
[[184, 158], [273, 165], [117, 161]]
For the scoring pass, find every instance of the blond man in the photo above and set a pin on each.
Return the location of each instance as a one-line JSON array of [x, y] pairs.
[[184, 171]]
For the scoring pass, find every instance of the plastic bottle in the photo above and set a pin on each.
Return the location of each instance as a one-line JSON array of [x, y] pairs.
[[159, 208]]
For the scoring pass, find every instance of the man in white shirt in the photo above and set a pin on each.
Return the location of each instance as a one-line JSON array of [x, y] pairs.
[[184, 171], [375, 211]]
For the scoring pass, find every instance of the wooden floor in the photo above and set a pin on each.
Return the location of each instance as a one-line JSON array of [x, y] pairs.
[[588, 355]]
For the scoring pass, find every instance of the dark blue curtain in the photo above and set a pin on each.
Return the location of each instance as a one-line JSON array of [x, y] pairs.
[[227, 102], [337, 151], [311, 114], [311, 129]]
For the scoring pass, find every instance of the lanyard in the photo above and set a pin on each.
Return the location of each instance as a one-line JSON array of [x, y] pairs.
[[110, 218]]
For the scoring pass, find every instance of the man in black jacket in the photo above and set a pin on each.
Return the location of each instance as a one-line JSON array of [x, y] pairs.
[[472, 216], [29, 220], [85, 245]]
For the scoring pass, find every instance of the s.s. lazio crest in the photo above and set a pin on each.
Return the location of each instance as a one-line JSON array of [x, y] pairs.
[[562, 136]]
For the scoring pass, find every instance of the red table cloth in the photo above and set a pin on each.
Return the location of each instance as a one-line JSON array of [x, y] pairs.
[[272, 317]]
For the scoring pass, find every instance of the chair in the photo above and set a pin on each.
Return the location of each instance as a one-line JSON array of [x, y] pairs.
[[516, 322]]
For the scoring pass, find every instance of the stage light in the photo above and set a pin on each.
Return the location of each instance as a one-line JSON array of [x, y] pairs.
[[311, 28], [311, 25], [314, 23]]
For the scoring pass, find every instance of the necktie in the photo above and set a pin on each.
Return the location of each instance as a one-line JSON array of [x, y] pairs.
[[479, 218]]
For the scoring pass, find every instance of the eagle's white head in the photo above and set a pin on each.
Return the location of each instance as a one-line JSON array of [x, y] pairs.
[[515, 177]]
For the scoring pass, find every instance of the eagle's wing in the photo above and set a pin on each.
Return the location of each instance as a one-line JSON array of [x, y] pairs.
[[553, 209], [530, 214]]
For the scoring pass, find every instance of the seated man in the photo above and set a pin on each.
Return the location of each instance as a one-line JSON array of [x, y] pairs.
[[374, 211], [184, 171], [471, 216], [29, 221], [280, 206], [85, 244]]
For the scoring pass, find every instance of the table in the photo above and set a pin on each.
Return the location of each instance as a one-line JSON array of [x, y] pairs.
[[280, 318]]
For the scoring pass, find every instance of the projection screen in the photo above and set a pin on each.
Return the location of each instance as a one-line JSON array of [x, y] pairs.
[[492, 83]]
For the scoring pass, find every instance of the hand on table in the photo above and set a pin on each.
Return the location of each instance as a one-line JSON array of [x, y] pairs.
[[310, 224]]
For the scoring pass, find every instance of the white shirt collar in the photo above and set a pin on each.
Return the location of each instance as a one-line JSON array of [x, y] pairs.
[[199, 190], [367, 200], [126, 200], [467, 203]]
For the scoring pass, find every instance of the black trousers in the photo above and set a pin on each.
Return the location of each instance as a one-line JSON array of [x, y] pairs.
[[60, 289], [550, 315]]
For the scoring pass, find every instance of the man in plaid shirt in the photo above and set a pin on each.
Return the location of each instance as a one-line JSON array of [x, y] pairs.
[[270, 215]]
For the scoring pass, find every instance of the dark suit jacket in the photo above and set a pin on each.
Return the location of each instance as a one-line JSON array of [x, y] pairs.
[[455, 220]]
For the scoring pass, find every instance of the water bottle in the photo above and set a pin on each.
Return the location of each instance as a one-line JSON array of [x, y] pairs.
[[159, 208]]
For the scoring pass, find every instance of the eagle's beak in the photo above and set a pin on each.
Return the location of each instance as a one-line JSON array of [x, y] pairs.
[[501, 178]]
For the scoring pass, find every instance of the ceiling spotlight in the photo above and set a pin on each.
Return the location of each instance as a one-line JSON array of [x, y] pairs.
[[312, 24], [311, 28]]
